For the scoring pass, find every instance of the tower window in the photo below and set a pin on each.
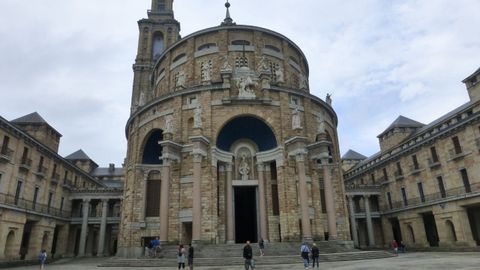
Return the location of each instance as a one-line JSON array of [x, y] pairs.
[[157, 46], [161, 5], [241, 42]]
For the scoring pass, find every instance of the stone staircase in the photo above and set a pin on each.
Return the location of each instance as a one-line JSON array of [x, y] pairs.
[[231, 254]]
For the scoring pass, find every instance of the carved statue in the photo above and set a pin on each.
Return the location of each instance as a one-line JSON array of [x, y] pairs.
[[243, 168], [141, 99], [169, 123], [296, 119], [245, 86], [279, 75], [226, 66], [206, 71], [303, 81], [321, 124], [180, 79], [262, 65], [328, 99], [197, 117]]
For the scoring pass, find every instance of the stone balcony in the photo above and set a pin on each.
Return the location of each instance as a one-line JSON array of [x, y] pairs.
[[25, 164], [6, 154], [354, 189], [31, 207], [433, 164]]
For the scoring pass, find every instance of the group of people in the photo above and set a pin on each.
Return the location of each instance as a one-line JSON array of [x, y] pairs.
[[396, 247], [248, 253], [182, 255], [306, 252]]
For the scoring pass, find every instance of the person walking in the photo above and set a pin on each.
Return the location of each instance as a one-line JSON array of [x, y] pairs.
[[394, 245], [305, 253], [155, 244], [261, 246], [43, 259], [315, 255], [248, 256], [190, 256], [181, 257]]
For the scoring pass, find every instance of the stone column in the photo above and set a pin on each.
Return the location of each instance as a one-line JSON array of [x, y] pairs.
[[83, 232], [103, 227], [165, 200], [229, 204], [262, 203], [144, 200], [329, 201], [353, 221], [303, 195], [197, 200], [368, 217]]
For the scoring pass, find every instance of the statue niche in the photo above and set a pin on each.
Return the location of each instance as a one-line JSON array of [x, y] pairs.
[[244, 164], [246, 82]]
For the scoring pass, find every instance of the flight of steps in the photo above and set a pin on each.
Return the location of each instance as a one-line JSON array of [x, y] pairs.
[[231, 254]]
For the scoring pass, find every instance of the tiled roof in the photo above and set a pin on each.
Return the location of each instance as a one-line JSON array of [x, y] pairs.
[[353, 155]]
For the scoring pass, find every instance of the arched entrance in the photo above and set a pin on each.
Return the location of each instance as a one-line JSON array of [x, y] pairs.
[[244, 137], [9, 251]]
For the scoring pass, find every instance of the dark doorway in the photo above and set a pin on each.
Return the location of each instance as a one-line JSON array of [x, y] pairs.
[[27, 230], [430, 229], [245, 214], [77, 242], [54, 242], [397, 233], [474, 219]]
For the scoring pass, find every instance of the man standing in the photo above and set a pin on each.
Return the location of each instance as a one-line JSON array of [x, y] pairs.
[[305, 253], [190, 256], [315, 255], [43, 259], [155, 246], [248, 256]]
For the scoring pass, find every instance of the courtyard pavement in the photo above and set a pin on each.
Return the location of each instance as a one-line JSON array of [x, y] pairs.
[[420, 260]]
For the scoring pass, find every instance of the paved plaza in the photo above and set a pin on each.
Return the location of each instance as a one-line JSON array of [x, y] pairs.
[[421, 260]]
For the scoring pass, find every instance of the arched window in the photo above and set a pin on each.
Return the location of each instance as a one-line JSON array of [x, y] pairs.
[[152, 151], [241, 42], [157, 45], [451, 235], [152, 201], [9, 251], [273, 48], [206, 46]]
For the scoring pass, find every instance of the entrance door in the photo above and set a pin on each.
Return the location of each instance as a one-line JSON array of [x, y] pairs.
[[474, 219], [430, 229], [397, 233], [245, 214], [27, 230]]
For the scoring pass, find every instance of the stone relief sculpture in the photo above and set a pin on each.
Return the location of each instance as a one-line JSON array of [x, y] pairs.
[[321, 124], [303, 81], [245, 87], [197, 117], [296, 119], [263, 65], [169, 123], [280, 78], [141, 99], [180, 79], [226, 66], [206, 71], [244, 168]]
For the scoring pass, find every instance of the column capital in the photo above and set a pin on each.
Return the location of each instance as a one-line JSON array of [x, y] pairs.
[[105, 200], [228, 166], [197, 157], [261, 166], [86, 200], [366, 196]]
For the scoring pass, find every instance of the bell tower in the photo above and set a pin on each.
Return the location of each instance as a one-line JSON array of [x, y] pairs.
[[156, 33]]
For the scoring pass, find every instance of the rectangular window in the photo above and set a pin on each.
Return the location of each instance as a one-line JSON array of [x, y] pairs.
[[50, 199], [385, 175], [54, 171], [466, 181], [420, 192], [35, 197], [433, 151], [322, 197], [372, 176], [275, 204], [6, 140], [404, 196], [18, 191], [389, 200], [152, 207], [399, 169], [415, 162], [65, 177], [441, 187], [40, 164], [456, 145], [62, 201], [25, 155]]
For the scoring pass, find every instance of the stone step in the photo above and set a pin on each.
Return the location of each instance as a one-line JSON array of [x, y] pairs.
[[265, 260]]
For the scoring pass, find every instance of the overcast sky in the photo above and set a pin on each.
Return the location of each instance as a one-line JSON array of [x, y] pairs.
[[70, 60]]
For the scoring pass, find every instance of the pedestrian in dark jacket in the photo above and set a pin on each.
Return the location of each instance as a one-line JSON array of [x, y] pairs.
[[248, 256], [315, 255], [190, 257], [305, 253]]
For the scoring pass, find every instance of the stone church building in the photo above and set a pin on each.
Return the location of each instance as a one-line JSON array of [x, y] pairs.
[[225, 141]]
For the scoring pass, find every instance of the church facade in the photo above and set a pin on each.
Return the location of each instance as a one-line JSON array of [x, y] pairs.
[[225, 141]]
